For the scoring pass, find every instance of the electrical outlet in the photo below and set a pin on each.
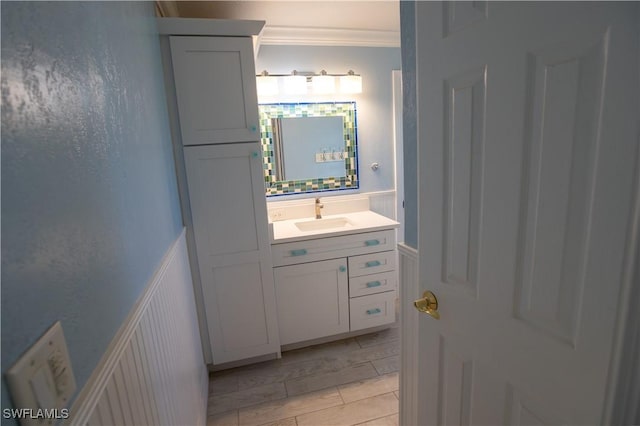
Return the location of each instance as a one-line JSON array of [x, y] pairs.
[[41, 381]]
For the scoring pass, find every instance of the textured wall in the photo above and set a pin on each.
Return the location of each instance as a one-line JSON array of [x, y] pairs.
[[409, 118], [374, 104], [89, 198]]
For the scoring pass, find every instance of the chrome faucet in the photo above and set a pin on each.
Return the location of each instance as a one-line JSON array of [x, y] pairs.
[[318, 207]]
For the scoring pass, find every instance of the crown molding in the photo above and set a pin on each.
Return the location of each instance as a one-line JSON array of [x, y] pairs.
[[209, 27], [279, 35]]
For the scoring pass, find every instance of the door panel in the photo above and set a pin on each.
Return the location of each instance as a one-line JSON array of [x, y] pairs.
[[464, 120], [456, 381], [527, 139], [564, 105], [461, 14]]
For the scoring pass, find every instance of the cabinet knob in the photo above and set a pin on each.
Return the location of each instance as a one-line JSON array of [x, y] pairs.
[[342, 268], [298, 252], [254, 154], [372, 263], [254, 128], [373, 311]]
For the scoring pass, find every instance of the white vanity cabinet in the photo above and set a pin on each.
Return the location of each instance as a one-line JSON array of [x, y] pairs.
[[333, 285], [233, 249], [312, 299], [216, 89]]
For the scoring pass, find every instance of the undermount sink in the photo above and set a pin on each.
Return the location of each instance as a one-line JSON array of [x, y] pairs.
[[320, 224]]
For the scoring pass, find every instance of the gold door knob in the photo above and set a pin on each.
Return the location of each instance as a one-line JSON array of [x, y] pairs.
[[428, 304]]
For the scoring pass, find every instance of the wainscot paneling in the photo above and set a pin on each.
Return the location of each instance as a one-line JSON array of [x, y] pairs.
[[409, 335], [152, 372], [384, 203]]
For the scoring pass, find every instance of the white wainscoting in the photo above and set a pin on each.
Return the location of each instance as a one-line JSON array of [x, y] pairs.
[[384, 203], [153, 371], [408, 335]]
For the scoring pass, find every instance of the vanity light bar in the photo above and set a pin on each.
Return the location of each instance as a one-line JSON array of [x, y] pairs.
[[299, 83]]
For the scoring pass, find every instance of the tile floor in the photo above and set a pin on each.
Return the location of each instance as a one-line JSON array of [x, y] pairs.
[[348, 382]]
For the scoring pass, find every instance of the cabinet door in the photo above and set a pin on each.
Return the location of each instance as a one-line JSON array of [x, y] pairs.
[[215, 88], [226, 191], [313, 300]]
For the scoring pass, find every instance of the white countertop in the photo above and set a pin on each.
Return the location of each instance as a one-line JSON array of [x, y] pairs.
[[286, 231]]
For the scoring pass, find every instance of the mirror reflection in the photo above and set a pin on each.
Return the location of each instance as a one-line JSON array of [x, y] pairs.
[[309, 147]]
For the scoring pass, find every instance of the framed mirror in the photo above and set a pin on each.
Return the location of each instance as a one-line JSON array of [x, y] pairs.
[[309, 147]]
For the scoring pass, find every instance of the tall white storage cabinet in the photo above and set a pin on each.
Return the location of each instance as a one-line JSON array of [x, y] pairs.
[[215, 116], [230, 225]]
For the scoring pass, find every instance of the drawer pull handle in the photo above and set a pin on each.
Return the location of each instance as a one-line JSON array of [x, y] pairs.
[[373, 311], [372, 263], [342, 268], [374, 284], [372, 242], [298, 252]]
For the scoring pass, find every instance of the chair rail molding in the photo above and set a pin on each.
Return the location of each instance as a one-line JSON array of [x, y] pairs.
[[153, 371]]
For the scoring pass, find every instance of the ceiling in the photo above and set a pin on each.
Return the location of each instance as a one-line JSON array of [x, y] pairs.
[[380, 15]]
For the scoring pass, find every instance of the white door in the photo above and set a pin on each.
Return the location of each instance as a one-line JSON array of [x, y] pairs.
[[527, 139]]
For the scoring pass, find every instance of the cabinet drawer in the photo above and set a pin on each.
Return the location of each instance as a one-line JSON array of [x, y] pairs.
[[371, 284], [333, 247], [372, 263], [372, 310]]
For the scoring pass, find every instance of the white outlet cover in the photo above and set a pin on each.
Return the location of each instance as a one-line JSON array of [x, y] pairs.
[[47, 358]]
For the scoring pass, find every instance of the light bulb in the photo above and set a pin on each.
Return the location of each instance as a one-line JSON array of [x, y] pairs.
[[266, 85], [350, 83], [323, 83], [295, 84]]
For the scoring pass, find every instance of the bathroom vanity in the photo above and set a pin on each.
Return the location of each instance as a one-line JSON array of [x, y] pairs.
[[262, 285], [334, 275]]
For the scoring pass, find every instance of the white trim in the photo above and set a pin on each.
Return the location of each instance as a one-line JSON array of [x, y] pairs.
[[409, 284], [398, 148], [280, 35], [621, 405], [171, 279], [408, 251]]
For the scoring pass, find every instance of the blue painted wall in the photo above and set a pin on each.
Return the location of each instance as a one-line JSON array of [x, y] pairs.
[[374, 105], [89, 195], [409, 118]]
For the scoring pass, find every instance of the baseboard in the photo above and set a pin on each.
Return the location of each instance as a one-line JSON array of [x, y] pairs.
[[153, 371]]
